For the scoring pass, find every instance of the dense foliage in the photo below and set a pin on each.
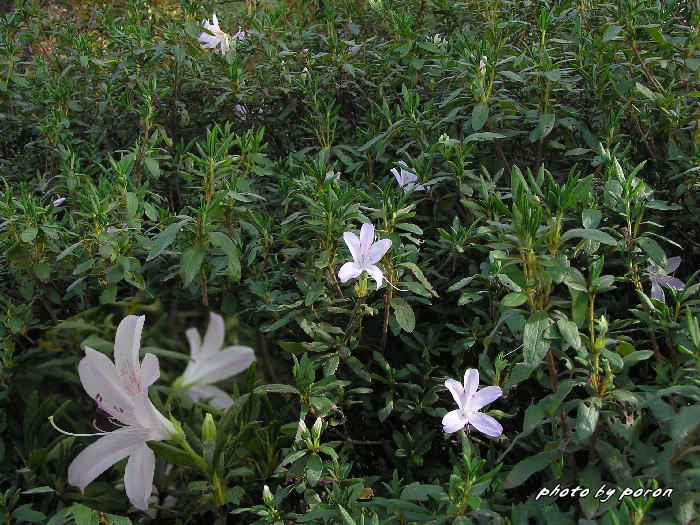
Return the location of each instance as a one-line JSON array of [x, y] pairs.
[[557, 144]]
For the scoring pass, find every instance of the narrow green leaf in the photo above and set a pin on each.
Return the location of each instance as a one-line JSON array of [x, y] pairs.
[[480, 115], [528, 466], [535, 345]]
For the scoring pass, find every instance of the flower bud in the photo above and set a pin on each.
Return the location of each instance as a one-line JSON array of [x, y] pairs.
[[303, 429], [208, 428], [602, 325], [316, 430], [177, 434], [267, 496]]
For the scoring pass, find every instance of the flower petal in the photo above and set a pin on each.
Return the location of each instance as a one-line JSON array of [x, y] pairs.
[[138, 476], [657, 292], [353, 244], [213, 395], [366, 236], [102, 383], [485, 396], [486, 424], [457, 391], [672, 264], [453, 421], [376, 274], [349, 270], [150, 371], [214, 337], [102, 454], [471, 381], [149, 418], [195, 342], [397, 176], [222, 365], [126, 351], [671, 282], [376, 251]]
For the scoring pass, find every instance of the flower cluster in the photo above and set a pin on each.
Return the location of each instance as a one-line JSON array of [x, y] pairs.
[[213, 36], [120, 389]]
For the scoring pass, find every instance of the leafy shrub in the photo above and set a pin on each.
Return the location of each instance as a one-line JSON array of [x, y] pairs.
[[554, 149]]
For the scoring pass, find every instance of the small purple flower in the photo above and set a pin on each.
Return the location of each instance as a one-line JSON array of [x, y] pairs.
[[365, 253], [659, 277], [406, 179], [470, 402], [58, 202], [243, 111]]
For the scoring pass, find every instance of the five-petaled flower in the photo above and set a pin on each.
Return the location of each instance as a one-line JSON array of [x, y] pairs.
[[210, 364], [406, 179], [659, 277], [214, 36], [121, 391], [470, 402], [365, 253]]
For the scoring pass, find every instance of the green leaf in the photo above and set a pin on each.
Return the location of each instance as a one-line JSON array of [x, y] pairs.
[[687, 419], [614, 460], [191, 262], [347, 520], [85, 515], [276, 389], [586, 420], [653, 250], [418, 492], [172, 454], [420, 276], [570, 333], [29, 234], [109, 294], [164, 239], [224, 242], [610, 33], [482, 136], [404, 316], [590, 235], [528, 466], [314, 467], [153, 168], [535, 345], [480, 115], [514, 299], [591, 218]]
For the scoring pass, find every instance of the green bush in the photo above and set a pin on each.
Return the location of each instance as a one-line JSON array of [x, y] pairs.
[[551, 155]]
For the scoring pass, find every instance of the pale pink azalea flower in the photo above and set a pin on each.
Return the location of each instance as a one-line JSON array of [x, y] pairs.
[[217, 36], [659, 278], [210, 364], [238, 35], [365, 253], [244, 112], [469, 402], [121, 391], [58, 202], [406, 179]]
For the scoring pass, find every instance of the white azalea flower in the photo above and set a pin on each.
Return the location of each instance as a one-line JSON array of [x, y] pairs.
[[406, 179], [58, 202], [217, 36], [470, 402], [365, 253], [210, 364], [121, 391]]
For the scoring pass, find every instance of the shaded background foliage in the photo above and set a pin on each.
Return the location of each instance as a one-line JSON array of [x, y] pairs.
[[561, 143]]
